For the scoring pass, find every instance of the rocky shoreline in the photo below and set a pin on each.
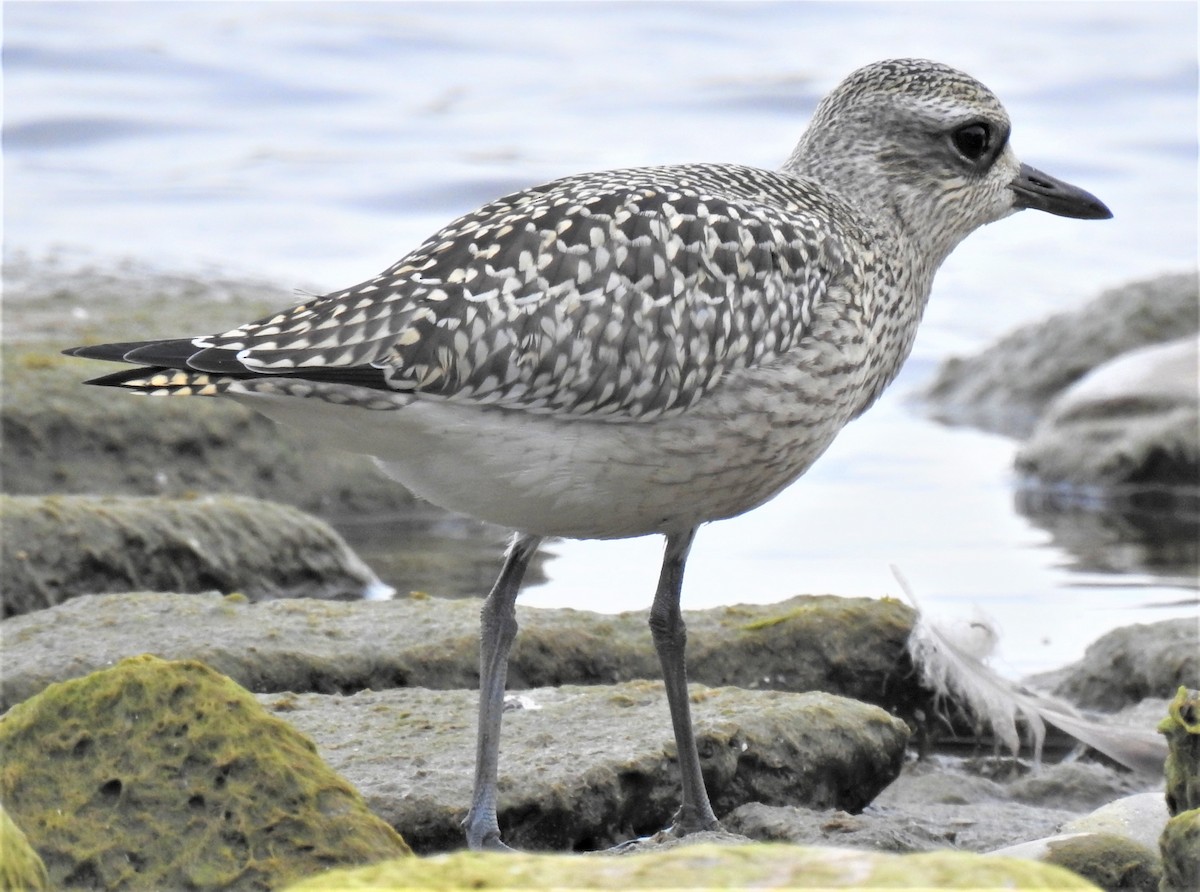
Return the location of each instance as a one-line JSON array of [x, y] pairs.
[[173, 723]]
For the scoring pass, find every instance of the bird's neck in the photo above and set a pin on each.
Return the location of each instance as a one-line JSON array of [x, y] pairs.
[[907, 218]]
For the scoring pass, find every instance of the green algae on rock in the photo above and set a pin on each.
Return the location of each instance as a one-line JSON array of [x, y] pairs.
[[20, 866], [1180, 841], [1108, 860], [59, 547], [760, 866], [1180, 848], [164, 775], [1182, 729], [854, 647]]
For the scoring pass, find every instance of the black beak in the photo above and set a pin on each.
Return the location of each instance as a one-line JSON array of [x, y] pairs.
[[1042, 192]]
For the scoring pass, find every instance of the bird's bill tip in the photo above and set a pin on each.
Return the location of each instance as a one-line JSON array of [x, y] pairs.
[[1040, 191]]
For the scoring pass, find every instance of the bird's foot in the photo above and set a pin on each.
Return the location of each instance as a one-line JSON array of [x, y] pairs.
[[685, 823], [693, 820], [483, 835]]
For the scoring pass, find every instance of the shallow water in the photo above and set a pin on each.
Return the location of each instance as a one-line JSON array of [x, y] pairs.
[[317, 142]]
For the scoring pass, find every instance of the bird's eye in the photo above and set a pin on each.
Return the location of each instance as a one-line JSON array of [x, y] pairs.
[[972, 141]]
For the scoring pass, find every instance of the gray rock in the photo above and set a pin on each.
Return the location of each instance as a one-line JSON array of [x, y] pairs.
[[1140, 818], [935, 804], [583, 768], [1078, 786], [1130, 664], [59, 547], [803, 644], [1134, 420], [1006, 388]]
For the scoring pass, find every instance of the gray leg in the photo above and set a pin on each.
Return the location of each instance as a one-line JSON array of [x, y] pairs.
[[499, 627], [670, 637]]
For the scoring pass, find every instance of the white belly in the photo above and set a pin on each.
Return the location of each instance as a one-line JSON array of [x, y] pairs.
[[590, 479]]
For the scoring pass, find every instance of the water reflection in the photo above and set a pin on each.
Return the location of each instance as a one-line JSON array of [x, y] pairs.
[[1153, 531], [432, 551]]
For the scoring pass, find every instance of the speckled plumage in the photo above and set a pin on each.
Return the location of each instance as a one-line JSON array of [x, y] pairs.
[[625, 294], [637, 351]]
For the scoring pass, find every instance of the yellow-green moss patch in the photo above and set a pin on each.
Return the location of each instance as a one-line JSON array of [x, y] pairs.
[[168, 775], [20, 866], [1180, 846], [759, 866], [1182, 730], [1109, 861]]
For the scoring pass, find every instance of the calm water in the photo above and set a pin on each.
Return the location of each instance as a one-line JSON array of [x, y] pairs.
[[317, 142]]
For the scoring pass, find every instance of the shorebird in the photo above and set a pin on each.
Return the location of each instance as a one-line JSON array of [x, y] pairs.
[[636, 351]]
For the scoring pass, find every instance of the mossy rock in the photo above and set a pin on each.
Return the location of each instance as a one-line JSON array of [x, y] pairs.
[[167, 775], [1182, 729], [20, 866], [1180, 847], [59, 547], [1109, 861], [707, 866]]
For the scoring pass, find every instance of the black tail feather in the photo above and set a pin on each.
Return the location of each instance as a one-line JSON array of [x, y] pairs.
[[118, 352], [153, 357]]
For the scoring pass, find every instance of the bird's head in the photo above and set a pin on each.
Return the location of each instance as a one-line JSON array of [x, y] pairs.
[[928, 145]]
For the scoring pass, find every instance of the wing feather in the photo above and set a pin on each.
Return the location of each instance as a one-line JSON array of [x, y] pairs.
[[628, 294]]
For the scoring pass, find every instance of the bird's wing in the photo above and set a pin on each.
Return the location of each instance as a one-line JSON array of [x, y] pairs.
[[627, 294]]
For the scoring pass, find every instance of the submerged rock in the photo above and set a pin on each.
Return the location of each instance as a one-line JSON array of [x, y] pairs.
[[583, 768], [162, 775], [58, 547], [705, 866], [849, 646]]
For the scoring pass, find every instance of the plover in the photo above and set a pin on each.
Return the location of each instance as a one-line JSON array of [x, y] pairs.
[[636, 351]]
